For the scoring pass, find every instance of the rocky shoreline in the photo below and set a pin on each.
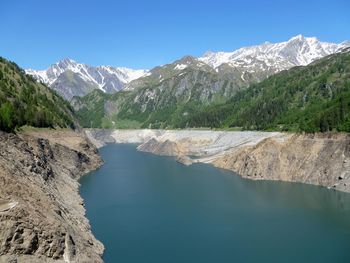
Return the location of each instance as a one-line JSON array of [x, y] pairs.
[[319, 159], [42, 216]]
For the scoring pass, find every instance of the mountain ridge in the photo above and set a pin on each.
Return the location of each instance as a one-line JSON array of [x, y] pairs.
[[312, 98], [84, 78], [249, 64], [308, 98], [305, 49]]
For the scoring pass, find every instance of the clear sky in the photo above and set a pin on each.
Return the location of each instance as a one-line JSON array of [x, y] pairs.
[[143, 34]]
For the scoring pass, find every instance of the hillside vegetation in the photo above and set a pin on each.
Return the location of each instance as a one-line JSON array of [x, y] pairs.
[[160, 99], [24, 101], [314, 98]]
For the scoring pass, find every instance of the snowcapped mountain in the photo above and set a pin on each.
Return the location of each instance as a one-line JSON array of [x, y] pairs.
[[274, 57], [176, 69], [244, 66], [70, 78]]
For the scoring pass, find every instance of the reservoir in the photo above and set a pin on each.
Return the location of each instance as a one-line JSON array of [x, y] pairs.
[[151, 209]]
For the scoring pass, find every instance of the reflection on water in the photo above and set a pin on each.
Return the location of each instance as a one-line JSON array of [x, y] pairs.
[[148, 208]]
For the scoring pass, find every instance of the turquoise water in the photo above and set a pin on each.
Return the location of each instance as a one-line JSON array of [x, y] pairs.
[[151, 209]]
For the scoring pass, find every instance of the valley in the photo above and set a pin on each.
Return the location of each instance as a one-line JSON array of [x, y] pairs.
[[189, 93], [162, 211], [269, 112]]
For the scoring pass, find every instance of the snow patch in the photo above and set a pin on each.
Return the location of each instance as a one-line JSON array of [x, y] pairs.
[[297, 51], [101, 76], [180, 66]]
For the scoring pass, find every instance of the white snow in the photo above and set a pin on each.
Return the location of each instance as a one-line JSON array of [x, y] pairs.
[[127, 75], [297, 51], [180, 66], [242, 76], [96, 75], [39, 74]]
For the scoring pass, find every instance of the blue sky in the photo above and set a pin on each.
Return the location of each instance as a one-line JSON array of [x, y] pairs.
[[143, 34]]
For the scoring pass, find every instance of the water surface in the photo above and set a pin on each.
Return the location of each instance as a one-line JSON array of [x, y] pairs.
[[151, 209]]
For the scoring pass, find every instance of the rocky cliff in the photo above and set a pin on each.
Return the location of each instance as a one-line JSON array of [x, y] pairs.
[[41, 213], [314, 159], [319, 159]]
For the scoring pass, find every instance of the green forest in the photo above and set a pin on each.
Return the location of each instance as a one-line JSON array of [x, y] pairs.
[[24, 101], [313, 98]]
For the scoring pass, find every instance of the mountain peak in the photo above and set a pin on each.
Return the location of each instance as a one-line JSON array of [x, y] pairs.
[[260, 60], [67, 61], [208, 53], [345, 43], [187, 59], [85, 78], [298, 50], [299, 37]]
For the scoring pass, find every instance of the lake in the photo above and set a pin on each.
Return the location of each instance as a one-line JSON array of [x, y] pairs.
[[151, 209]]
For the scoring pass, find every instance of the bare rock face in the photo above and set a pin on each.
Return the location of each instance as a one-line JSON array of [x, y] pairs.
[[99, 137], [166, 148], [42, 216], [319, 159], [185, 160], [314, 159]]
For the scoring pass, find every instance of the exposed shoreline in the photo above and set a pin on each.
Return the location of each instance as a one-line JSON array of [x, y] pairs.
[[43, 216], [319, 159], [42, 213]]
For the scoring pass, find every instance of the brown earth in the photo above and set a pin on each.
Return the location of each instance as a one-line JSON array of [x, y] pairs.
[[39, 173], [321, 159]]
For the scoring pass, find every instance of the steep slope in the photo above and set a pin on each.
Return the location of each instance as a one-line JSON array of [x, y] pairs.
[[310, 98], [169, 92], [97, 109], [25, 101], [42, 214], [173, 93], [244, 66], [307, 98], [320, 159], [269, 58], [70, 78]]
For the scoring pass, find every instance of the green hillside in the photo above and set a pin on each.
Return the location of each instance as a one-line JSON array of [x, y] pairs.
[[312, 98], [23, 101], [159, 100]]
